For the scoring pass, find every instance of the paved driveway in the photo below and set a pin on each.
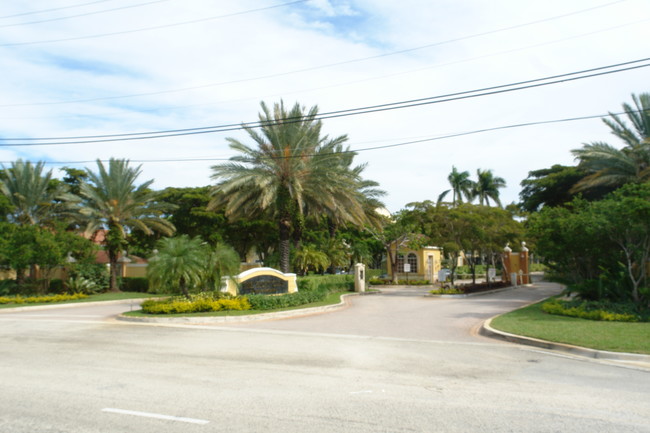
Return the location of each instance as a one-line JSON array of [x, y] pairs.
[[408, 313]]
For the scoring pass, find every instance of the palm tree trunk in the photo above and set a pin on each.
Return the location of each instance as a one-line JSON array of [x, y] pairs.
[[112, 259], [285, 238]]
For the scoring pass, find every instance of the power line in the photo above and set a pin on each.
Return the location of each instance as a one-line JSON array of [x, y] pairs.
[[486, 91], [82, 15], [334, 85], [144, 29], [53, 9], [366, 149], [313, 68]]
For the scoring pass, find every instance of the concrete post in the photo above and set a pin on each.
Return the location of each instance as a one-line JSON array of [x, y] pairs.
[[523, 264], [360, 277]]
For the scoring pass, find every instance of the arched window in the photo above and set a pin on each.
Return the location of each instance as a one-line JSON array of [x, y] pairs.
[[412, 260]]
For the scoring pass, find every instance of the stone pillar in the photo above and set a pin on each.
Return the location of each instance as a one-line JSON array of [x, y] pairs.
[[507, 265], [360, 277]]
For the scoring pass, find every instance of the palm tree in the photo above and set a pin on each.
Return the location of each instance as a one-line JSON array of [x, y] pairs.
[[222, 261], [35, 199], [611, 167], [292, 171], [309, 257], [112, 201], [461, 185], [180, 264], [487, 187]]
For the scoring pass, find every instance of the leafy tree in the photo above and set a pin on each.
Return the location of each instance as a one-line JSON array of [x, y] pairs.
[[191, 216], [554, 187], [611, 167], [292, 171], [30, 246], [74, 178], [626, 217], [461, 185], [113, 202], [487, 187]]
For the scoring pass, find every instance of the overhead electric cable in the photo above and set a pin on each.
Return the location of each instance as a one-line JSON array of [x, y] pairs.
[[365, 149], [52, 9], [486, 91], [82, 15], [144, 29]]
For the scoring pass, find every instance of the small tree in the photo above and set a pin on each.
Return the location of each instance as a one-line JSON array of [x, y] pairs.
[[309, 257], [180, 264]]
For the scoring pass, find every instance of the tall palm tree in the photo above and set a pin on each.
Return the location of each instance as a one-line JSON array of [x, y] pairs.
[[112, 201], [487, 187], [461, 185], [612, 167], [293, 170], [35, 199]]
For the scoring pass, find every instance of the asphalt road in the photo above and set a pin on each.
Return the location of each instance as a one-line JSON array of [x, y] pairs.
[[396, 362]]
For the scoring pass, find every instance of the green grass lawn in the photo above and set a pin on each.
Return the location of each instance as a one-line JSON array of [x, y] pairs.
[[531, 321], [111, 296], [332, 298]]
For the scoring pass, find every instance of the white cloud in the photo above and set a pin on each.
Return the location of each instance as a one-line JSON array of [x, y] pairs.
[[233, 63]]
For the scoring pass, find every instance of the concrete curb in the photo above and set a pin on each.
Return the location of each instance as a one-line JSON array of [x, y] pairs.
[[72, 304], [637, 359], [246, 318]]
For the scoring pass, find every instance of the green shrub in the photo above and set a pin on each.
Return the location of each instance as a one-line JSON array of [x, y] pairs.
[[274, 302], [447, 290], [135, 284], [7, 287], [40, 299], [94, 272], [595, 311], [80, 284], [199, 303], [330, 283], [56, 286]]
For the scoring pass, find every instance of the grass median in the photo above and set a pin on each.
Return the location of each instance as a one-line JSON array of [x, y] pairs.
[[531, 321]]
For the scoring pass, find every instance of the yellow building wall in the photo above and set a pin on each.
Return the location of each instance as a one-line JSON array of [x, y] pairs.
[[427, 270]]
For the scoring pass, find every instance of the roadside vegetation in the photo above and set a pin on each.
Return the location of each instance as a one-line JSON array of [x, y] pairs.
[[532, 321]]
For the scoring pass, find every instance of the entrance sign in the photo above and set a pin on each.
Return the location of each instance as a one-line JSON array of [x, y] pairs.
[[264, 285], [264, 281]]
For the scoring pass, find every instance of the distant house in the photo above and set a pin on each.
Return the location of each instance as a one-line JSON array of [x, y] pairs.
[[421, 264], [130, 265]]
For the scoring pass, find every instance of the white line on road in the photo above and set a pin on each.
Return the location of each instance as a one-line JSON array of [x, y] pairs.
[[156, 415]]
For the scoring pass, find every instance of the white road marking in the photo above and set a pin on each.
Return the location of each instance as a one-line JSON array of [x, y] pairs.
[[155, 415]]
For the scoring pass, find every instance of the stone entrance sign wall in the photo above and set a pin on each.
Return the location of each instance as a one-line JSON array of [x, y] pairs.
[[264, 281]]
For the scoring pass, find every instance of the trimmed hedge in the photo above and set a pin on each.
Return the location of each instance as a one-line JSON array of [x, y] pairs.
[[274, 302], [201, 303], [135, 284], [330, 283], [40, 299], [595, 311]]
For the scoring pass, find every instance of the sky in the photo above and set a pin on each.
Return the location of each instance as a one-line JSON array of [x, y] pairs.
[[77, 68]]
